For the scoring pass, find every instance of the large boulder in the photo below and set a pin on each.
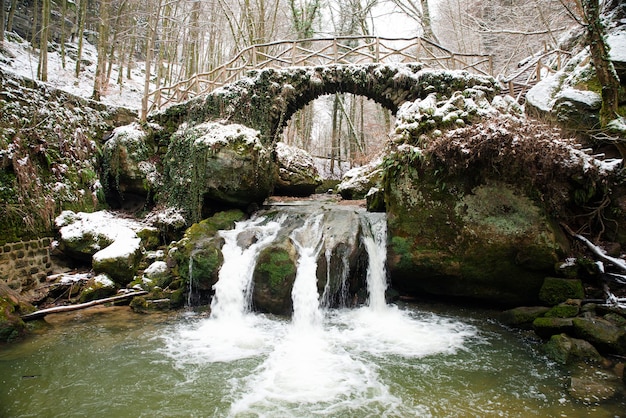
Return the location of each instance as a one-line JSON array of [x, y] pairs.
[[212, 165], [274, 275], [197, 258], [112, 244], [130, 172], [604, 335], [489, 243], [358, 182], [297, 174], [567, 350]]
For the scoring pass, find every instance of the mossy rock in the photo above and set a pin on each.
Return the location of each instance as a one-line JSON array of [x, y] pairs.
[[568, 350], [523, 316], [488, 243], [200, 248], [213, 165], [564, 310], [555, 290], [98, 287], [604, 335], [11, 307], [547, 327], [274, 275]]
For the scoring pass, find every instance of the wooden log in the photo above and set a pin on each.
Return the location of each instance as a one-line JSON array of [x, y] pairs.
[[57, 309]]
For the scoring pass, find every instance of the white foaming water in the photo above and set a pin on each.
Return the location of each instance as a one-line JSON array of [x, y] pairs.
[[231, 332], [233, 289], [308, 240], [322, 363], [375, 240]]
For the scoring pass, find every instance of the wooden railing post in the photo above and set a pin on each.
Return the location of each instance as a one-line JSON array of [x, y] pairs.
[[539, 70], [377, 50], [335, 50]]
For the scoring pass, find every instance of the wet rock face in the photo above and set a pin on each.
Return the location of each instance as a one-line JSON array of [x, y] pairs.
[[214, 165], [489, 242], [128, 168]]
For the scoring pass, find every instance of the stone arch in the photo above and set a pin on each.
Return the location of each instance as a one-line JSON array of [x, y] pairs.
[[266, 99]]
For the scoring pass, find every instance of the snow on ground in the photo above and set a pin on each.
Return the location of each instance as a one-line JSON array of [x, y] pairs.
[[23, 59]]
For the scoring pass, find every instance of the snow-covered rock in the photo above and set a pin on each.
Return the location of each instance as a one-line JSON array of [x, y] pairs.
[[217, 165], [357, 182], [129, 170], [112, 243], [297, 173]]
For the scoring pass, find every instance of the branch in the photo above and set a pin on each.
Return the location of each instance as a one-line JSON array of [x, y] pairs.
[[57, 309], [520, 32], [621, 264]]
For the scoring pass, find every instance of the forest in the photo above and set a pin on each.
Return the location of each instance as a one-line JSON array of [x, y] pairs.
[[176, 40]]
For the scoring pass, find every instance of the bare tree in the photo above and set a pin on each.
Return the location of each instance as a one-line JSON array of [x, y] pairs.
[[42, 68], [508, 30], [420, 12], [2, 20]]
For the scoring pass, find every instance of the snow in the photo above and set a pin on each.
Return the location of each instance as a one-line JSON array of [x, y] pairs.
[[104, 280], [156, 268], [213, 134], [589, 98], [121, 232], [21, 62], [617, 45], [542, 95]]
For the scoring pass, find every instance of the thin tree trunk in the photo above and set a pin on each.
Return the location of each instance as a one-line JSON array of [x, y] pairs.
[[9, 27], [42, 68], [103, 40], [82, 14], [63, 39], [152, 28], [605, 70], [2, 19], [33, 31]]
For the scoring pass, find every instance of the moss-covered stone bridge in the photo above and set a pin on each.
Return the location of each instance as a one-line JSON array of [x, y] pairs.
[[266, 99]]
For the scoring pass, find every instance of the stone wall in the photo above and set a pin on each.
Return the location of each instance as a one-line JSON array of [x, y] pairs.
[[25, 264]]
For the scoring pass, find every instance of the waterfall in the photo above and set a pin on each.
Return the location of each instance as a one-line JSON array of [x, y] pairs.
[[234, 287], [308, 240], [190, 293], [375, 241]]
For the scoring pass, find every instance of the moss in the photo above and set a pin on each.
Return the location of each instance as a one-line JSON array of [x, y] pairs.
[[556, 290], [563, 310], [276, 268]]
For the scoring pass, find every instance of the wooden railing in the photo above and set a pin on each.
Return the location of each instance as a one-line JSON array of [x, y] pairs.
[[534, 70], [319, 51]]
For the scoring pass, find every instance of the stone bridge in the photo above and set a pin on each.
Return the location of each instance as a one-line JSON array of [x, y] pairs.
[[266, 99]]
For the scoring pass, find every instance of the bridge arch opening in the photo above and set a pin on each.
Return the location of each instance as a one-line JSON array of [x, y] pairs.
[[340, 131]]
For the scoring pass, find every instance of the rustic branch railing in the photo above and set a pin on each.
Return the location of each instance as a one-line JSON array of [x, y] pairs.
[[319, 51], [534, 70]]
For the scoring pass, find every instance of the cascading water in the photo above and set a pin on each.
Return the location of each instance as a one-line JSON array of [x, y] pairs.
[[375, 240], [233, 289], [374, 360], [308, 240]]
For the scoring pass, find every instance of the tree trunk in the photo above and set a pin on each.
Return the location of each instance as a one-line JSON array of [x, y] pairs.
[[2, 19], [82, 14], [103, 40], [58, 309], [33, 30], [427, 24], [42, 69], [605, 70], [152, 35], [9, 27], [63, 39]]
